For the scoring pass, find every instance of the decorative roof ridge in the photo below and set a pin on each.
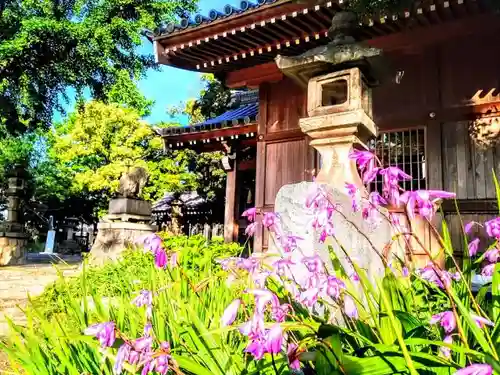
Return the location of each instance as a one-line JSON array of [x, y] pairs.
[[243, 97], [199, 21]]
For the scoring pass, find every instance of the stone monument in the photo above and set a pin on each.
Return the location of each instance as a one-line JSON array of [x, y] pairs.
[[128, 218], [339, 78], [13, 239], [69, 245], [51, 237]]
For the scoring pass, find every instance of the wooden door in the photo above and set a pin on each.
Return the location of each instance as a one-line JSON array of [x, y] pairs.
[[283, 152]]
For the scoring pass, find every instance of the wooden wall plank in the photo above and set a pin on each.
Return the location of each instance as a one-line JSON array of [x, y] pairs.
[[461, 138], [230, 226], [470, 166], [496, 160], [450, 158], [480, 173], [286, 105], [286, 164], [489, 167], [434, 156]]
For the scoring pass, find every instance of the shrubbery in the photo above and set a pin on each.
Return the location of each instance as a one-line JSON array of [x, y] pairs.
[[196, 308], [196, 254]]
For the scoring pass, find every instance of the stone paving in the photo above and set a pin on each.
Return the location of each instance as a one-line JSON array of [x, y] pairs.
[[17, 282]]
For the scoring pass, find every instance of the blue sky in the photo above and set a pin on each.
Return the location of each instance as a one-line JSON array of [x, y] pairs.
[[169, 86]]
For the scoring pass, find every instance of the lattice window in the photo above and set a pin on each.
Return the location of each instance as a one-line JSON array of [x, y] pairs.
[[404, 149]]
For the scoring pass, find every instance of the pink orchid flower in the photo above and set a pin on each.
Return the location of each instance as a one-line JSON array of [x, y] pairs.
[[468, 226], [492, 255], [282, 265], [313, 263], [423, 201], [481, 322], [104, 332], [446, 319], [392, 176], [293, 356], [476, 369], [364, 159], [473, 247], [353, 193], [274, 339], [488, 270], [493, 228], [250, 214], [350, 308], [279, 312], [446, 351], [230, 313], [250, 229], [370, 175]]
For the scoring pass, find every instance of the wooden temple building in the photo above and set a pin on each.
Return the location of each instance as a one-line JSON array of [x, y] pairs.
[[436, 116]]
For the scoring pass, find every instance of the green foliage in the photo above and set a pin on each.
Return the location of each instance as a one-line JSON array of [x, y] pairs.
[[214, 97], [196, 256], [94, 146], [186, 312], [377, 7], [47, 46], [213, 101]]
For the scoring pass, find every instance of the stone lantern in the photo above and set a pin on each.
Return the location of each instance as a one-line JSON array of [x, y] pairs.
[[13, 239], [339, 79]]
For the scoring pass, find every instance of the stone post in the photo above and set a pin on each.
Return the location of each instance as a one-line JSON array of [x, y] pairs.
[[339, 78], [13, 240], [128, 219]]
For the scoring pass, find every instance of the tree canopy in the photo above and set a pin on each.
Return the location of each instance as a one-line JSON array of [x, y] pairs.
[[213, 101], [102, 141], [48, 46]]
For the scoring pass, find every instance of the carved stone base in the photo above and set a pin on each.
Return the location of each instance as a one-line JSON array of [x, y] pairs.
[[13, 248], [115, 237], [364, 243], [68, 247], [129, 206]]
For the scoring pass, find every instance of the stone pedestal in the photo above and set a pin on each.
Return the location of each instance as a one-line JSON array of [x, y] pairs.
[[115, 237], [128, 220], [13, 240], [137, 207], [362, 243], [13, 248]]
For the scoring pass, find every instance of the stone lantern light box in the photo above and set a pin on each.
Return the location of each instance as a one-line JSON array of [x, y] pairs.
[[341, 91]]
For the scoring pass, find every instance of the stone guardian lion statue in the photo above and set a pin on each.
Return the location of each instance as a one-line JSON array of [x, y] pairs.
[[132, 183]]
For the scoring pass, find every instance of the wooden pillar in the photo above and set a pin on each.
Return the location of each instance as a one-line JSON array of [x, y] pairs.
[[230, 219]]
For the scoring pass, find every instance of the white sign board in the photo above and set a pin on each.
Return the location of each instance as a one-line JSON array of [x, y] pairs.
[[49, 245]]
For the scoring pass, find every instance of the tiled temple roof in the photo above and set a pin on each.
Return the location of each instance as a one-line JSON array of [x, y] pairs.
[[213, 15], [246, 113], [285, 27], [189, 200]]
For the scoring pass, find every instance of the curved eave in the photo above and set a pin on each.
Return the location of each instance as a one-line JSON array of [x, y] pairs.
[[256, 14], [211, 140], [291, 32]]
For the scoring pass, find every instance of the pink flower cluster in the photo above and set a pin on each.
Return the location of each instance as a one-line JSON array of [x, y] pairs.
[[140, 352], [492, 255], [448, 321], [154, 244], [261, 340], [441, 278], [422, 202]]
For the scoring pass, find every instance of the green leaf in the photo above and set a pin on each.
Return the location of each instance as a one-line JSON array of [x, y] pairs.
[[495, 293]]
